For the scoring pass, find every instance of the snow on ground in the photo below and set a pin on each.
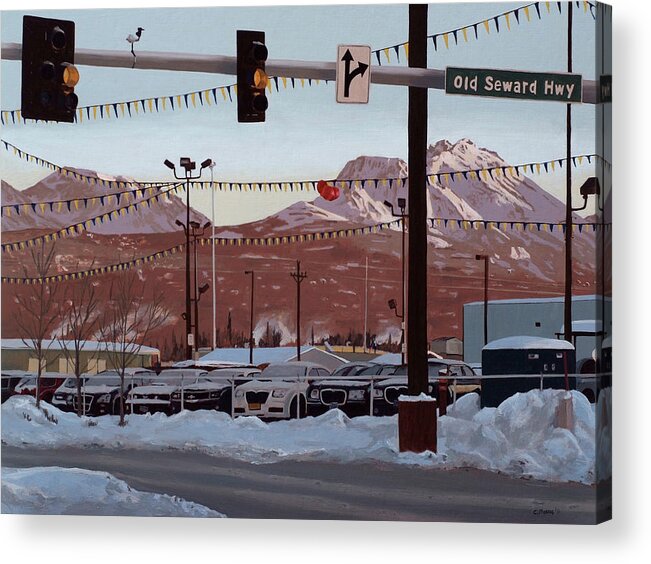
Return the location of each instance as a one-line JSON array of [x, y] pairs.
[[519, 437], [72, 491]]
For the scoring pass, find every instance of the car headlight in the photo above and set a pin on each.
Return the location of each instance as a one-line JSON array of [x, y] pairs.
[[314, 394], [378, 392], [176, 395], [106, 398], [239, 393], [356, 395], [214, 395], [279, 393]]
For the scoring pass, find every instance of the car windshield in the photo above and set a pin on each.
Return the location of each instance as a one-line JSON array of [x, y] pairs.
[[283, 371], [29, 381], [103, 380]]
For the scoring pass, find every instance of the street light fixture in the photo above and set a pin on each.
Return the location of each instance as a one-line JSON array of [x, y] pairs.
[[189, 165], [402, 204], [590, 187]]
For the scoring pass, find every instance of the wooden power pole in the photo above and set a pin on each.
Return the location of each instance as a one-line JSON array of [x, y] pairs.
[[298, 277]]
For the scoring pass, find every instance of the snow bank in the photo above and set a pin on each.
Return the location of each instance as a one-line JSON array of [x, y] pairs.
[[72, 491], [520, 437]]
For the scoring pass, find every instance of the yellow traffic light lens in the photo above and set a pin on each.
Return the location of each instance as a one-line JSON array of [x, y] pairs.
[[260, 79], [70, 75]]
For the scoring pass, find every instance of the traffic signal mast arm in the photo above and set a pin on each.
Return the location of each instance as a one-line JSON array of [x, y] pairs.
[[224, 64]]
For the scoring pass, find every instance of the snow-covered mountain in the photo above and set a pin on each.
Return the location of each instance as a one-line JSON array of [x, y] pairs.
[[159, 218], [500, 197]]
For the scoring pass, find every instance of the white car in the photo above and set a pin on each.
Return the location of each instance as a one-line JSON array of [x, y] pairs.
[[156, 396], [280, 392]]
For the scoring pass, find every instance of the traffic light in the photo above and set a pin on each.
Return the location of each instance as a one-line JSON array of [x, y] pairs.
[[251, 76], [49, 74]]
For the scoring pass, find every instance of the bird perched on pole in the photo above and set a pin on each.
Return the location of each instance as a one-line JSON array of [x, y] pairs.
[[134, 39]]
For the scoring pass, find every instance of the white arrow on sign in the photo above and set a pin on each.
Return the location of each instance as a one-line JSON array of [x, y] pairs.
[[353, 74]]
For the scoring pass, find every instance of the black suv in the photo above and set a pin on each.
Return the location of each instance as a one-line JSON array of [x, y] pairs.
[[387, 392], [342, 391]]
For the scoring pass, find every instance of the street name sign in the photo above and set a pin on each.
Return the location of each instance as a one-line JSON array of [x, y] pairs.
[[497, 83], [353, 74]]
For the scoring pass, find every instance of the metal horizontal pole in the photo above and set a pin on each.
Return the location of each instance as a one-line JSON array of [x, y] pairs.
[[224, 64]]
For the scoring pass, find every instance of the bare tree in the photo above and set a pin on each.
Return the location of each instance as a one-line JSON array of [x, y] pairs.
[[127, 322], [78, 311], [38, 315]]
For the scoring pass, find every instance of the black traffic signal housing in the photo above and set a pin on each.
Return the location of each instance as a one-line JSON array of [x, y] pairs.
[[48, 72], [252, 78]]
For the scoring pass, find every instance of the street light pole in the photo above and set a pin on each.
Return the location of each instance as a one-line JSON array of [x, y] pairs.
[[402, 204], [485, 259], [252, 273], [214, 286], [188, 165], [567, 309]]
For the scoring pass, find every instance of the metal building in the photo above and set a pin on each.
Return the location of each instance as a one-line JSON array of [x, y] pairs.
[[536, 317]]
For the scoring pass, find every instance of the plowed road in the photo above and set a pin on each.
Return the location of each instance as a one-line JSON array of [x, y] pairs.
[[327, 490]]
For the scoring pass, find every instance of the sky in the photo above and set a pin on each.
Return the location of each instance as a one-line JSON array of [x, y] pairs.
[[307, 135]]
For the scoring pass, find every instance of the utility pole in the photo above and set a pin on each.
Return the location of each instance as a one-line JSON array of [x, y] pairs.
[[485, 259], [252, 273], [417, 162], [298, 277], [567, 309]]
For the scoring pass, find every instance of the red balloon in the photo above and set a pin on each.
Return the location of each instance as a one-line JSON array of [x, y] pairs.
[[326, 191]]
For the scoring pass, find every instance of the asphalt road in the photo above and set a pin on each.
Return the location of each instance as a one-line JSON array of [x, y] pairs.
[[328, 490]]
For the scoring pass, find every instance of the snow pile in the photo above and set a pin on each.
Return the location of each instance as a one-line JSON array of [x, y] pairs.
[[72, 491], [521, 437]]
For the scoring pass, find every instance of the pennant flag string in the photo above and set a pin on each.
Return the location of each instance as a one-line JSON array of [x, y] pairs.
[[191, 100], [71, 173], [80, 227], [445, 39], [446, 177], [438, 222], [514, 225], [74, 204]]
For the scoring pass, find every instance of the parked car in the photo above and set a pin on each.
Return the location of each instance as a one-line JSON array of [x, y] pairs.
[[346, 393], [387, 392], [156, 395], [280, 392], [47, 385], [100, 392], [214, 390], [10, 379]]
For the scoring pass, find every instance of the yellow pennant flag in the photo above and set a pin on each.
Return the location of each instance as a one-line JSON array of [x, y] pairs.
[[164, 100], [487, 26], [94, 112], [508, 21], [206, 95], [446, 40], [386, 54], [406, 46], [193, 98], [107, 109], [223, 91], [178, 100], [465, 34], [284, 79], [537, 168], [150, 103], [547, 4], [526, 13]]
